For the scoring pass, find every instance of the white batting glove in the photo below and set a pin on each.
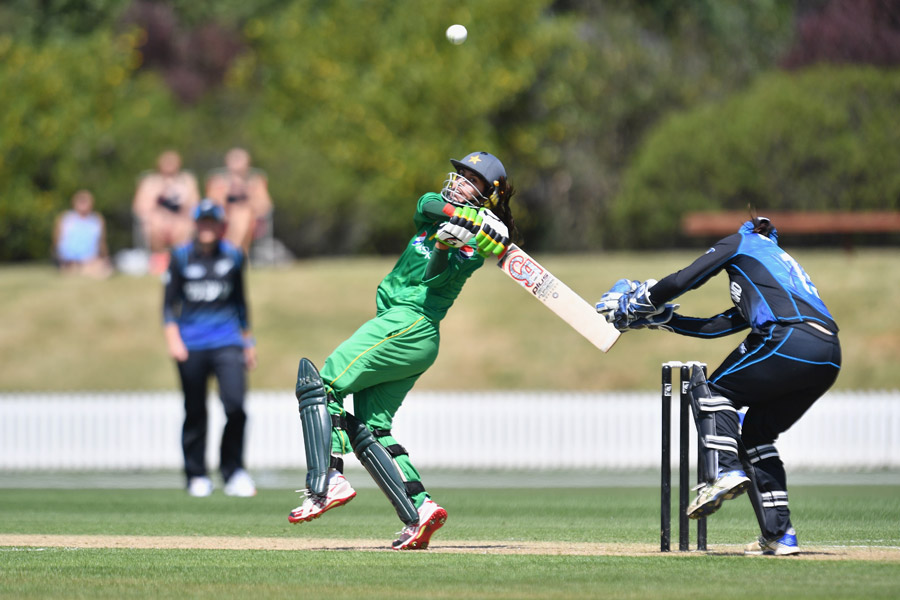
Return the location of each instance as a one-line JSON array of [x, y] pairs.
[[455, 236], [460, 229]]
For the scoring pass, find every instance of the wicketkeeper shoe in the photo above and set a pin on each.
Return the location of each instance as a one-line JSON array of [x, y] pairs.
[[416, 537], [710, 497], [200, 487], [339, 492], [783, 546], [240, 484]]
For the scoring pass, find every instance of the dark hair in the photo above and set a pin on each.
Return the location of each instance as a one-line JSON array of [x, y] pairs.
[[763, 226], [505, 192]]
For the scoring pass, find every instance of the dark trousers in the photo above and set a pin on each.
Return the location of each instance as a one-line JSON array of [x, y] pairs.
[[227, 364], [777, 377]]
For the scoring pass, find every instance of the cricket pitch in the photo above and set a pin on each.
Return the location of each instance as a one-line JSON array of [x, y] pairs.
[[36, 541]]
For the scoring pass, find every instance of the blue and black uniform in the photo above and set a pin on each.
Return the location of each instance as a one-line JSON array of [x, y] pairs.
[[204, 295], [788, 360]]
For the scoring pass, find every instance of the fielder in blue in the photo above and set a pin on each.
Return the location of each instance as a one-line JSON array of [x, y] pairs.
[[208, 333], [789, 359]]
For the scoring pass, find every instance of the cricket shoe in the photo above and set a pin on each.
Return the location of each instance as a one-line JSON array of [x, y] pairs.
[[710, 497], [783, 546], [240, 484], [339, 492], [416, 537], [200, 487]]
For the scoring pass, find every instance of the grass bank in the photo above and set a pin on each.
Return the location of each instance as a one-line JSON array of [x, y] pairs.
[[62, 333]]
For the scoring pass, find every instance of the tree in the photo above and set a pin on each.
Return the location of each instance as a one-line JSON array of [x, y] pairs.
[[78, 119]]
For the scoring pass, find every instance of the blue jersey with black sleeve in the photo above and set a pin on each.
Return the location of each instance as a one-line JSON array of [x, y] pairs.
[[767, 287], [204, 295]]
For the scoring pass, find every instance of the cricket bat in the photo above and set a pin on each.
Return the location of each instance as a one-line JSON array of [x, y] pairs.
[[558, 297]]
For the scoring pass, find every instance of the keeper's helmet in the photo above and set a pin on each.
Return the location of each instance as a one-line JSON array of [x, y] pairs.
[[485, 165]]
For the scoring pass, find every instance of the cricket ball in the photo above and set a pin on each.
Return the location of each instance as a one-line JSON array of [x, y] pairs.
[[457, 34]]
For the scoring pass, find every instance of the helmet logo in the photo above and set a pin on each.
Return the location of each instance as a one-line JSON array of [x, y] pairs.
[[474, 159]]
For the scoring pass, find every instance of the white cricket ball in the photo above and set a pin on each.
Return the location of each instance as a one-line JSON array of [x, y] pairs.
[[457, 34]]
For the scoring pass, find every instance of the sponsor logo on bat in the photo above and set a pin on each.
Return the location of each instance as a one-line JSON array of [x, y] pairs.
[[524, 270]]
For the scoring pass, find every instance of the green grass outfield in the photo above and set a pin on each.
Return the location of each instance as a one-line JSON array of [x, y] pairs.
[[850, 534]]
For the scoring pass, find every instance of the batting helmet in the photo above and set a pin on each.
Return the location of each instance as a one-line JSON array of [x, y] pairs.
[[489, 168]]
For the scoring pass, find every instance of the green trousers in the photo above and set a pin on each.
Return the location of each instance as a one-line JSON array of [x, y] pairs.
[[378, 365]]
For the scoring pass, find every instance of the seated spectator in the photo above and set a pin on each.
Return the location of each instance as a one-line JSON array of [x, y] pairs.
[[79, 239], [163, 205], [244, 193]]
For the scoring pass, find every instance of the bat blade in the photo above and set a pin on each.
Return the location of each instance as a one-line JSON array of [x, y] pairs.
[[558, 297]]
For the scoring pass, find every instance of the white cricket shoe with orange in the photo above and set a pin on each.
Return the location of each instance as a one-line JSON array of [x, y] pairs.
[[416, 537], [338, 493]]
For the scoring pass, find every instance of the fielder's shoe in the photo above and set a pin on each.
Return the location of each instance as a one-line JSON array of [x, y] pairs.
[[240, 484], [783, 546], [416, 537], [339, 492], [729, 485], [200, 487]]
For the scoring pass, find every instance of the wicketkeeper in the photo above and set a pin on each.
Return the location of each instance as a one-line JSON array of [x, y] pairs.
[[788, 360], [455, 231]]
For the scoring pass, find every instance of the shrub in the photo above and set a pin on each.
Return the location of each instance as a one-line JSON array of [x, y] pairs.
[[823, 139]]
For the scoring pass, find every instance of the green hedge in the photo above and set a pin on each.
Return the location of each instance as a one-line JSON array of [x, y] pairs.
[[824, 139]]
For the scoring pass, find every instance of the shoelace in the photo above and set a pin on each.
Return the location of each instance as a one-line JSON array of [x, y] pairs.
[[409, 529], [314, 498], [331, 486]]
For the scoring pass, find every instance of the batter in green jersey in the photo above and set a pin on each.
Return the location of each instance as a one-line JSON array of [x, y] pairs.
[[379, 364]]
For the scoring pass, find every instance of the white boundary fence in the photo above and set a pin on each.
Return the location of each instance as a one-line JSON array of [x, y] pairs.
[[468, 430]]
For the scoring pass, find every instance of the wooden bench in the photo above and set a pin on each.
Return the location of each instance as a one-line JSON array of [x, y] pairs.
[[720, 224]]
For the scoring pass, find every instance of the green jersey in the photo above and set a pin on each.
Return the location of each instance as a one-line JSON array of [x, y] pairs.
[[425, 279]]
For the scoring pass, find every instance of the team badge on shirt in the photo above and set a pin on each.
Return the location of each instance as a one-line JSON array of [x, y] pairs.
[[194, 271], [222, 266]]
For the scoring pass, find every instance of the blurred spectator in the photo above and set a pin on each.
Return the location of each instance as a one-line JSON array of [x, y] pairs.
[[244, 192], [79, 239], [163, 208]]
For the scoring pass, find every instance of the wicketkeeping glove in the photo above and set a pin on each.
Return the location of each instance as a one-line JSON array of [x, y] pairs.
[[657, 321], [626, 302], [609, 302], [493, 235], [461, 227]]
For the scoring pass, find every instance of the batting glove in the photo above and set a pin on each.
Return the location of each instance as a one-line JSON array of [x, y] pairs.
[[460, 229], [493, 235]]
